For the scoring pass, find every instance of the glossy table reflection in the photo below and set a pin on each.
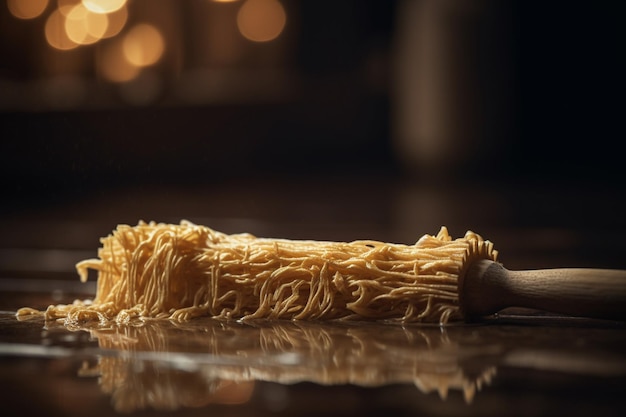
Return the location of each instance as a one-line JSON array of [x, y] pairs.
[[522, 365]]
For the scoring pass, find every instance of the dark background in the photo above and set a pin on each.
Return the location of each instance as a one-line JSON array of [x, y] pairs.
[[305, 135], [565, 84]]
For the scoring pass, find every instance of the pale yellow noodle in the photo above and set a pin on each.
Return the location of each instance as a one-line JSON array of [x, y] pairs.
[[156, 270]]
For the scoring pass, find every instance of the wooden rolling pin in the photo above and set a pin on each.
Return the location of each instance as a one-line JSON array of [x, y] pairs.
[[488, 288]]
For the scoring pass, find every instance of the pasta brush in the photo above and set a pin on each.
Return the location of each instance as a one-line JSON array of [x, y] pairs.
[[181, 271]]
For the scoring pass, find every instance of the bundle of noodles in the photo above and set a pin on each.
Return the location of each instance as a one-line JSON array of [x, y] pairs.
[[156, 270]]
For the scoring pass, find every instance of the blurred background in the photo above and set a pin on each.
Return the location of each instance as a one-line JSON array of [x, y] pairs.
[[380, 119]]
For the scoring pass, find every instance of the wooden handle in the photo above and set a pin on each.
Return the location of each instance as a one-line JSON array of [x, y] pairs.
[[488, 287]]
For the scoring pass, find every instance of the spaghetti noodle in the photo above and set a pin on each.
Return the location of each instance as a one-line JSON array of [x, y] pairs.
[[177, 272]]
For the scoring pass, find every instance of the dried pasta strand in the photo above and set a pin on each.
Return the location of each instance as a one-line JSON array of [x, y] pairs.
[[156, 270]]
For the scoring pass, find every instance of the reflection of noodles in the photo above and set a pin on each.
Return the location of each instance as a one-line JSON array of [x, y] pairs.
[[183, 271], [231, 356], [134, 385]]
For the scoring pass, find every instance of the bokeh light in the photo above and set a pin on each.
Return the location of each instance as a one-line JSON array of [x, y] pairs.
[[56, 36], [84, 26], [261, 20], [27, 9], [117, 21], [143, 45], [113, 65], [65, 6], [72, 24], [104, 6]]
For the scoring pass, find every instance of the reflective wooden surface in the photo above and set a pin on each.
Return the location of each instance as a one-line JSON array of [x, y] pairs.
[[520, 363], [521, 366]]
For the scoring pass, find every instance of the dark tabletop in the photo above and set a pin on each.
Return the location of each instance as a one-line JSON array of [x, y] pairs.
[[520, 363]]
